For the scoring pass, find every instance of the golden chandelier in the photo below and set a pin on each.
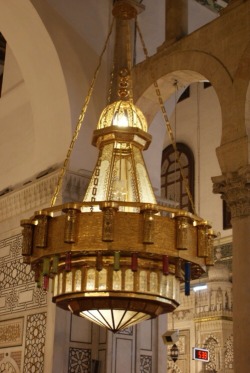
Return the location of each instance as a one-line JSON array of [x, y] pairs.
[[118, 257]]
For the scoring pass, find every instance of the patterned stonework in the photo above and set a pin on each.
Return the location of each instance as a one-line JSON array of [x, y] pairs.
[[173, 368], [39, 191], [146, 364], [229, 354], [212, 344], [235, 191], [34, 344], [11, 332], [10, 362], [18, 291], [79, 360]]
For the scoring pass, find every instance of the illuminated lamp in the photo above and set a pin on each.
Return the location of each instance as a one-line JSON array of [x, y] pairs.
[[117, 258]]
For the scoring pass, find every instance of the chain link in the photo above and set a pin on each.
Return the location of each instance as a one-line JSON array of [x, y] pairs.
[[165, 117], [80, 120]]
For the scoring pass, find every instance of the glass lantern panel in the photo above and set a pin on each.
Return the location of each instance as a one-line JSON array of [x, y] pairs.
[[78, 280], [68, 287], [90, 279]]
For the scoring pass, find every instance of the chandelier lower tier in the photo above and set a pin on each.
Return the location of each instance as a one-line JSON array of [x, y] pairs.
[[114, 267]]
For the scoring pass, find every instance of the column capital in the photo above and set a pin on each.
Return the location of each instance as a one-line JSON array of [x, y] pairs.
[[235, 190]]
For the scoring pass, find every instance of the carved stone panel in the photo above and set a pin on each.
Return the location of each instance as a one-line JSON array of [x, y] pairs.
[[18, 291], [35, 343]]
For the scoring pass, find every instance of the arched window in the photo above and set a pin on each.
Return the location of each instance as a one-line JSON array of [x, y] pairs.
[[172, 184]]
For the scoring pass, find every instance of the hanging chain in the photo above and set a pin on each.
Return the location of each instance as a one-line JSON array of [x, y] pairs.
[[111, 81], [80, 120], [129, 58], [198, 145], [168, 125]]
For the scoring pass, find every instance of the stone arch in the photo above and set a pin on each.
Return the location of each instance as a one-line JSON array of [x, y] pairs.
[[187, 67], [44, 80]]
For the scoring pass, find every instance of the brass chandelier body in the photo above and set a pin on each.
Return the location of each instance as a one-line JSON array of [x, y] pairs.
[[117, 258]]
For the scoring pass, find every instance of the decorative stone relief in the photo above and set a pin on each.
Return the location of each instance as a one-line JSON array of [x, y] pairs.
[[11, 332], [212, 345], [173, 368], [79, 360], [235, 190], [8, 364], [39, 191], [34, 343], [229, 355], [145, 364], [18, 291], [126, 331]]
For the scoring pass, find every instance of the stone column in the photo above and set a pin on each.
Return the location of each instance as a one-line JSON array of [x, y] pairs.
[[176, 20], [235, 189]]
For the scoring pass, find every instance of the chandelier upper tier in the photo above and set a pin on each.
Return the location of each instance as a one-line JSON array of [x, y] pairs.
[[118, 257]]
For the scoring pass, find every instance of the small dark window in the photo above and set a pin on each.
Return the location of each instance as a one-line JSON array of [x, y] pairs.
[[172, 184], [206, 85], [226, 216], [185, 94], [2, 59]]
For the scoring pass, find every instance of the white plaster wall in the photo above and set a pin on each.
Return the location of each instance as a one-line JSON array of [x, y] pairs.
[[208, 204]]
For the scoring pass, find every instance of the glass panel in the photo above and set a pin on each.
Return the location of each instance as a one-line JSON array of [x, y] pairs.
[[153, 283], [143, 281], [78, 280], [117, 280], [183, 159], [114, 319], [170, 286], [164, 167], [129, 280], [132, 318], [60, 283], [55, 285], [68, 287], [107, 315], [102, 277], [118, 317], [163, 285], [88, 315], [90, 279], [145, 189], [172, 156]]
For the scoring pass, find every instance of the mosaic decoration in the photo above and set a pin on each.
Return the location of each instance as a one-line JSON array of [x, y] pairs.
[[18, 291], [11, 332], [145, 364], [79, 360], [35, 342], [229, 354]]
